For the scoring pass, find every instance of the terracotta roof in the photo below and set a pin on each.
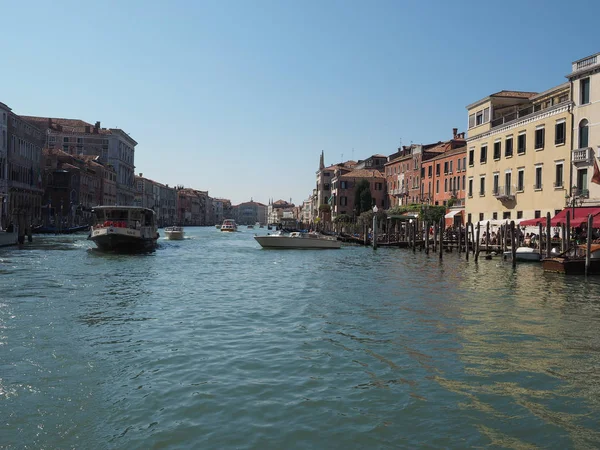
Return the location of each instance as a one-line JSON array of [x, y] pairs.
[[70, 125], [514, 94], [363, 173], [347, 164], [450, 152]]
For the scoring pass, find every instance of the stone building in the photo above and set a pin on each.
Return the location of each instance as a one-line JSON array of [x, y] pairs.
[[112, 145], [24, 158]]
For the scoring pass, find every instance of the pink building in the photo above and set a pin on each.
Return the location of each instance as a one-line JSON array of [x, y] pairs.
[[344, 185]]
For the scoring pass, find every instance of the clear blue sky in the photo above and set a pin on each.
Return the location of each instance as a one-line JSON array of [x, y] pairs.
[[240, 97]]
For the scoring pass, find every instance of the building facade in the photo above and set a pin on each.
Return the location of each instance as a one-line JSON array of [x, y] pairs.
[[518, 153], [24, 160], [584, 80], [4, 116], [444, 178], [344, 187], [112, 145], [249, 213]]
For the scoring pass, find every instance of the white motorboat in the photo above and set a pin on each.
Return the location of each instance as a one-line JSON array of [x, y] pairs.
[[174, 233], [124, 229], [229, 225], [524, 254], [218, 226], [298, 240]]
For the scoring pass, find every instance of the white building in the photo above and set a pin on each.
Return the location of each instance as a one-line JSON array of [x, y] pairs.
[[585, 92]]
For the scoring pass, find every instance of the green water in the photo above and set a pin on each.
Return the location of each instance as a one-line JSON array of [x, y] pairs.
[[213, 342]]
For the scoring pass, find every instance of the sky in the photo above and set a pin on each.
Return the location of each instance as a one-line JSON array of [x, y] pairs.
[[240, 97]]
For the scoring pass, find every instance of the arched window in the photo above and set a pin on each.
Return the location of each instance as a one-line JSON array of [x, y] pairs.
[[583, 134]]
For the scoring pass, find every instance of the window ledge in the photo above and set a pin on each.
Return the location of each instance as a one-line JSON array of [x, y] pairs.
[[496, 159], [482, 195], [520, 191], [520, 153], [481, 163], [539, 149], [560, 144], [508, 157], [559, 188], [537, 189]]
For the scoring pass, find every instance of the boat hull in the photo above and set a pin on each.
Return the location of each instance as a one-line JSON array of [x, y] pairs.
[[525, 254], [123, 240], [174, 235], [287, 242], [575, 266]]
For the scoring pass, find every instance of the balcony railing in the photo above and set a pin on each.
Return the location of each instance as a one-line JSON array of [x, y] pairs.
[[583, 63], [505, 192], [582, 155], [581, 193]]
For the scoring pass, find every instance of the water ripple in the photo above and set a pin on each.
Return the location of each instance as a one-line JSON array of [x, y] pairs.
[[214, 343]]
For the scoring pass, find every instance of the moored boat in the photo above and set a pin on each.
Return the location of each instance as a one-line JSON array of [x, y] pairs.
[[174, 233], [524, 254], [127, 229], [572, 262], [229, 225], [218, 226], [297, 240]]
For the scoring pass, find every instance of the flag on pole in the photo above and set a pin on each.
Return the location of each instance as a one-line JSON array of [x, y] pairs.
[[596, 177]]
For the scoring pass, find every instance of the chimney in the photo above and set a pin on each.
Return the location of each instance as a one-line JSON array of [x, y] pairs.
[[49, 122], [87, 129], [96, 127], [454, 133], [141, 175]]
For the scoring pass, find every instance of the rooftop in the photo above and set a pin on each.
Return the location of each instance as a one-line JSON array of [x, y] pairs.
[[363, 173]]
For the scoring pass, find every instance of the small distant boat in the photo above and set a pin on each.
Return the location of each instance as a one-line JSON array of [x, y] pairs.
[[229, 225], [296, 239], [257, 225], [127, 229], [572, 262], [250, 227], [174, 233], [524, 254], [218, 226]]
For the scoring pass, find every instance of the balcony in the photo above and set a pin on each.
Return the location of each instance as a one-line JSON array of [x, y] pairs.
[[505, 192], [585, 63], [580, 193], [582, 155]]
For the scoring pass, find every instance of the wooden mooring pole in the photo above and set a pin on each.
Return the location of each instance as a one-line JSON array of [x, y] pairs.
[[548, 236], [477, 243], [467, 229], [540, 239], [427, 238], [588, 244], [513, 244], [568, 230], [441, 237], [487, 238]]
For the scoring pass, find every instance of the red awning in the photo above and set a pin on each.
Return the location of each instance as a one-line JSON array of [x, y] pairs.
[[580, 218], [531, 222]]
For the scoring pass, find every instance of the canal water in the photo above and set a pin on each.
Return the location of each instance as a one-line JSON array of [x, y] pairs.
[[212, 342]]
